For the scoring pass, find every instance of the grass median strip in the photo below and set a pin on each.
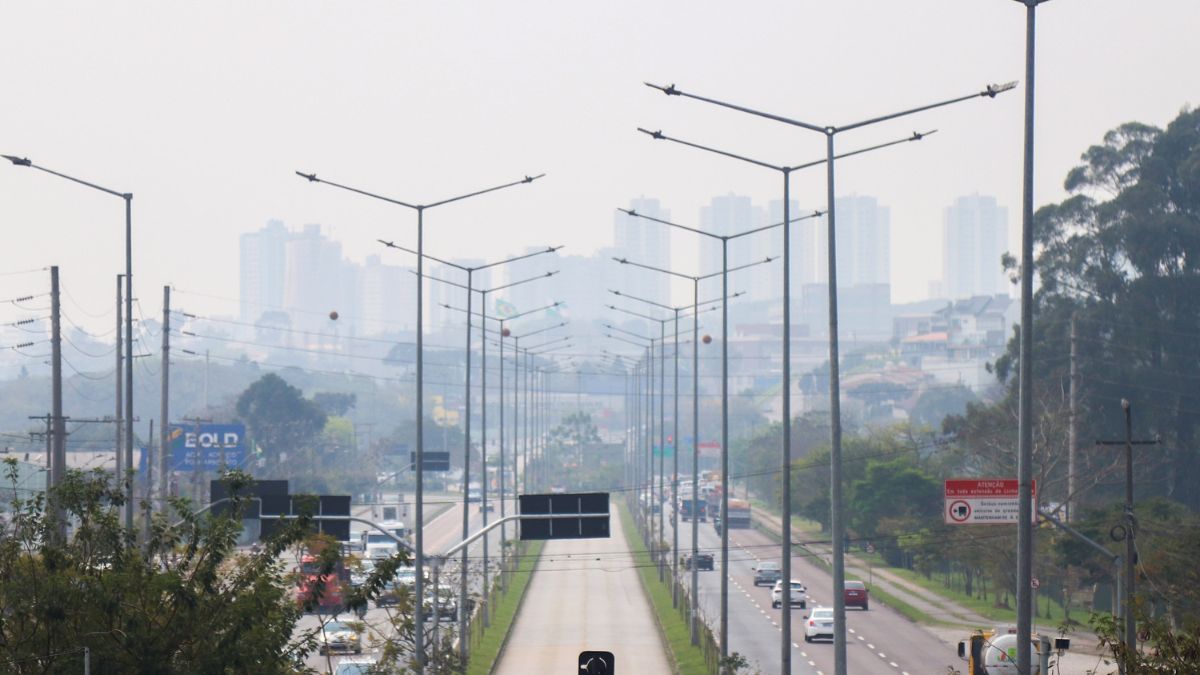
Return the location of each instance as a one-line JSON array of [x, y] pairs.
[[486, 650], [687, 658]]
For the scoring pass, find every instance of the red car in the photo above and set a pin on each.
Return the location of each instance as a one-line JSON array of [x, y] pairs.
[[855, 594]]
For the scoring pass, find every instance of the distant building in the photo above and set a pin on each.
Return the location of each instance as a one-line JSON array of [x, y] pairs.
[[316, 282], [864, 243], [974, 236], [646, 242], [387, 298], [261, 270]]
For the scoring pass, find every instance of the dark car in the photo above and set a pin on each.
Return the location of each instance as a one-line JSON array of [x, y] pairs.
[[704, 561], [767, 573], [856, 594]]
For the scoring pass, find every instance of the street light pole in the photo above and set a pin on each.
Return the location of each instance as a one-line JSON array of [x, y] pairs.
[[724, 274], [419, 587], [839, 605], [60, 433]]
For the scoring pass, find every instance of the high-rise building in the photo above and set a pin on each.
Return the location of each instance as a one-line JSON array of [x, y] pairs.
[[261, 270], [974, 236], [438, 293], [864, 245], [317, 281], [387, 298], [645, 242]]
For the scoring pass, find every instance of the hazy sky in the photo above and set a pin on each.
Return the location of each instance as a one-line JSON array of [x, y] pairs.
[[204, 110]]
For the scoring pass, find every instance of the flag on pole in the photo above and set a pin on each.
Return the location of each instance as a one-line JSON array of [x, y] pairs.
[[504, 309]]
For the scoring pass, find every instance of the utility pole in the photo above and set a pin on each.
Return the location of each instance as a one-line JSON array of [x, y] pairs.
[[117, 417], [58, 467], [1073, 429], [164, 426], [1130, 529], [198, 461]]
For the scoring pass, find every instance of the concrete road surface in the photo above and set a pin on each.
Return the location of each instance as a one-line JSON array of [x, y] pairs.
[[585, 595], [880, 642]]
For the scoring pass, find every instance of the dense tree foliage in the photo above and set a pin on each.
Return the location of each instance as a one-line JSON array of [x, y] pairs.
[[184, 600], [280, 421]]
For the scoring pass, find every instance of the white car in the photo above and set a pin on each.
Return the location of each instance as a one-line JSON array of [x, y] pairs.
[[798, 595], [819, 624], [338, 636]]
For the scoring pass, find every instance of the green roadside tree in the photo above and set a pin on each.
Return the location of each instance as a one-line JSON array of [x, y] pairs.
[[183, 600], [281, 422]]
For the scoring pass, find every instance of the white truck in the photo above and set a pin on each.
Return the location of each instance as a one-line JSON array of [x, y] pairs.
[[377, 545]]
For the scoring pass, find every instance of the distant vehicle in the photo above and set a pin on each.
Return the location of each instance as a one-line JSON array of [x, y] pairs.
[[855, 594], [327, 588], [359, 576], [474, 493], [819, 624], [797, 595], [487, 506], [338, 636], [447, 605], [767, 573], [558, 490], [377, 545], [355, 666], [704, 561], [739, 514], [686, 508]]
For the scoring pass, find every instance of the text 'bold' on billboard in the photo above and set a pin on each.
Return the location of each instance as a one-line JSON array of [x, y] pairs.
[[204, 444]]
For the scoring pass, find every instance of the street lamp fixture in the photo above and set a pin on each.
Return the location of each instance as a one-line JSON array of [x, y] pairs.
[[419, 632], [837, 526], [59, 453]]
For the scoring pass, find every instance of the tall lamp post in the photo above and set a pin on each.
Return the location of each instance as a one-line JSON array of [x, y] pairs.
[[786, 524], [1025, 379], [674, 437], [835, 456], [724, 274], [466, 515], [419, 588], [517, 435], [59, 455]]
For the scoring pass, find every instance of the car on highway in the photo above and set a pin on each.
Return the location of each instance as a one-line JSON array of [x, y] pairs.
[[487, 506], [819, 624], [338, 636], [767, 573], [704, 561], [797, 595], [855, 595]]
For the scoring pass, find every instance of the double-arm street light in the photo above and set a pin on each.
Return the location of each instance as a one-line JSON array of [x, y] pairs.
[[675, 418], [724, 274], [838, 527], [786, 462], [419, 633], [466, 514], [517, 435], [503, 333], [539, 395], [59, 454]]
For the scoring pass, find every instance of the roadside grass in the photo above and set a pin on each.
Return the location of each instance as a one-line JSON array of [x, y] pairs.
[[687, 658], [1047, 610], [486, 649]]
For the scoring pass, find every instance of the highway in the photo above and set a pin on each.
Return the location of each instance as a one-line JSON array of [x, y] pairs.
[[442, 532], [880, 641], [584, 595]]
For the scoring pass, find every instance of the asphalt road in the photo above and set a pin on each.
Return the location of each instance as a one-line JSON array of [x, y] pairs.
[[584, 595], [442, 532], [880, 641]]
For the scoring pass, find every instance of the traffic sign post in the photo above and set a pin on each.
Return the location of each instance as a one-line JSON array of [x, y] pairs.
[[983, 501], [566, 516]]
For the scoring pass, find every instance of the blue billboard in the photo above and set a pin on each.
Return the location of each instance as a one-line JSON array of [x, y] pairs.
[[205, 443]]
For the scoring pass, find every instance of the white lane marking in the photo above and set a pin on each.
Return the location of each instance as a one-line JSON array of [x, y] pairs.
[[882, 655], [870, 646], [893, 664], [850, 629], [861, 637]]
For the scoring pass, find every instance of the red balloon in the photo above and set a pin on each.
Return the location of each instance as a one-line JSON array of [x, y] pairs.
[[333, 315], [707, 339], [506, 332]]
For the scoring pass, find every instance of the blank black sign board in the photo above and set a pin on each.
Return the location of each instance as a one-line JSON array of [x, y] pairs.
[[294, 505], [434, 461], [595, 527]]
